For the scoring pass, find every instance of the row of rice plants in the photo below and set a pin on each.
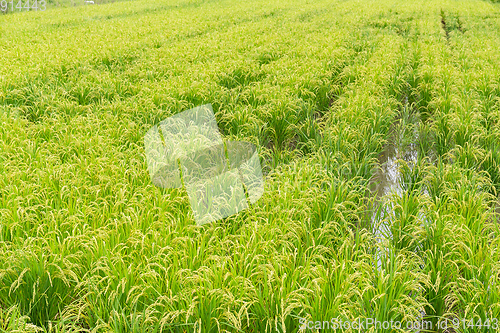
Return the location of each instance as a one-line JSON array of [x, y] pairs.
[[88, 244]]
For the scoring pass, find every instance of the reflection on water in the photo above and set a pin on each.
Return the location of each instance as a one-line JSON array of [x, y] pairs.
[[387, 178], [386, 183]]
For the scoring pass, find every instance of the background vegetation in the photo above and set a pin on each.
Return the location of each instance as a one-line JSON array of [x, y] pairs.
[[87, 243]]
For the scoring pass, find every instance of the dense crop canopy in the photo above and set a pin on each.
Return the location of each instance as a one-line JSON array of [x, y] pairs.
[[335, 95]]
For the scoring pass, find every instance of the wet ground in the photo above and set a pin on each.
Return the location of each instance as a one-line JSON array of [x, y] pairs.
[[386, 183], [387, 180]]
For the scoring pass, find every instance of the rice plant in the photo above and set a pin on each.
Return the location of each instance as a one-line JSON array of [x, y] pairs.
[[377, 128]]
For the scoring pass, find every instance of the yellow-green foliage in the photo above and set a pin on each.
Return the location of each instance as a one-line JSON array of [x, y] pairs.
[[88, 244]]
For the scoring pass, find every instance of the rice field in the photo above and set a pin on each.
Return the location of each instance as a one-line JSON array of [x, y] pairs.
[[377, 125]]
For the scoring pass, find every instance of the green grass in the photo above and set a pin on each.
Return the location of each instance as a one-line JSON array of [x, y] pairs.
[[89, 244]]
